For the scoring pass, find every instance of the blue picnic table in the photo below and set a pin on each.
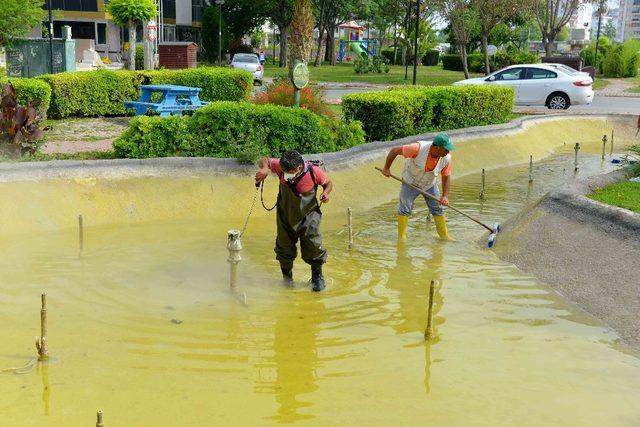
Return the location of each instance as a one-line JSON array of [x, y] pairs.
[[173, 99]]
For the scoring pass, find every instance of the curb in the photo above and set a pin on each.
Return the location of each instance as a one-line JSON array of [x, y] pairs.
[[126, 168]]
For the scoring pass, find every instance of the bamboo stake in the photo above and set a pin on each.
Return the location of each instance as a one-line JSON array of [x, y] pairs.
[[530, 169], [350, 226], [99, 422], [428, 333], [576, 148], [41, 344], [81, 232], [604, 145], [611, 144], [482, 189]]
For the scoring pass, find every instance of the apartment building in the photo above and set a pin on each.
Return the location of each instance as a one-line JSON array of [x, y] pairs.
[[630, 17], [178, 20]]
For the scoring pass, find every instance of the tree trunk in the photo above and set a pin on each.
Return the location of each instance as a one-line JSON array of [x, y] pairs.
[[284, 34], [463, 57], [148, 47], [319, 53], [485, 48], [132, 46], [395, 41], [331, 45]]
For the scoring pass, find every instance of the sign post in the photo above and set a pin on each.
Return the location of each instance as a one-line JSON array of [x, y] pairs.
[[300, 77]]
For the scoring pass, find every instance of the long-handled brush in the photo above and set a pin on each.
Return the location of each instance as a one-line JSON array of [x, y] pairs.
[[494, 229]]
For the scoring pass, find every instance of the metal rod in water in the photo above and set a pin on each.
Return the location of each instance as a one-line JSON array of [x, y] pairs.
[[99, 422], [41, 343], [428, 333], [576, 148], [234, 246], [482, 189], [530, 169], [611, 144], [350, 226], [81, 232], [604, 145]]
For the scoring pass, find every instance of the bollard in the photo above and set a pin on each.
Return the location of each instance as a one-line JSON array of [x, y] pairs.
[[530, 169], [99, 422], [611, 144], [576, 148], [234, 246], [428, 333], [604, 145], [482, 189], [81, 232], [350, 226], [41, 343]]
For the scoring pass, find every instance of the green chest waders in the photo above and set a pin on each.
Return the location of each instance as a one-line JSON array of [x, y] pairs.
[[298, 217]]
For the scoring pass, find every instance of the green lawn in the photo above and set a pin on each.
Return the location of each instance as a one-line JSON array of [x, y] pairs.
[[624, 194], [600, 83], [636, 88], [344, 73]]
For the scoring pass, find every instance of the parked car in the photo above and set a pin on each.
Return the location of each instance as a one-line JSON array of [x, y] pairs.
[[555, 86], [249, 62]]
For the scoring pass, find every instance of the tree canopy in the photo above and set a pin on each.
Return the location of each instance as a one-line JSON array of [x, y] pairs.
[[18, 17], [123, 11]]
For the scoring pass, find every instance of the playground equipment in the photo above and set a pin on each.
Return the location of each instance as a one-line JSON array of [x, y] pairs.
[[362, 48]]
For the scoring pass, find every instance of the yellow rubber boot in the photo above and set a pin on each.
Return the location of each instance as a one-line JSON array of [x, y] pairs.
[[441, 227], [403, 221]]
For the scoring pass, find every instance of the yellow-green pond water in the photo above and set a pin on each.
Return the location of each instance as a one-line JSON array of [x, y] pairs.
[[143, 326]]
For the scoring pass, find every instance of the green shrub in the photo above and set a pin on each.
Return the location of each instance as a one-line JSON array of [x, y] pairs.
[[453, 62], [387, 54], [31, 91], [431, 58], [103, 92], [402, 112], [218, 84], [91, 93], [241, 130], [139, 57], [622, 60]]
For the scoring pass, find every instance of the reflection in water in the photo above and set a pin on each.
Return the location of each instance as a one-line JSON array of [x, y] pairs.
[[295, 355], [46, 388], [412, 285]]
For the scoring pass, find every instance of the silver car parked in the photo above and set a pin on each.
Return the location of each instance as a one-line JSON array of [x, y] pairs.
[[249, 62]]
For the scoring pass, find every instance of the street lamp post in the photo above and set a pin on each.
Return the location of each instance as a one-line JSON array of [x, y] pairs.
[[50, 37], [415, 42], [219, 3]]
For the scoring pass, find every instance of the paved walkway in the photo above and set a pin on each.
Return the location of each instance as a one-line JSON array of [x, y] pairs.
[[618, 87]]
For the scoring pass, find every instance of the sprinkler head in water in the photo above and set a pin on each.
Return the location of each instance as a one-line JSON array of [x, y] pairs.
[[492, 236]]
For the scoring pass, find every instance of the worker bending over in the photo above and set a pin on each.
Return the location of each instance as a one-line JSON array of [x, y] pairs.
[[424, 162], [298, 213]]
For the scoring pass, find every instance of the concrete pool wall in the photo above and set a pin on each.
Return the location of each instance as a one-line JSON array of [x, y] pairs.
[[129, 191]]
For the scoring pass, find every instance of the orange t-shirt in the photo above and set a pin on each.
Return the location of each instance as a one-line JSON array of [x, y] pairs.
[[410, 151]]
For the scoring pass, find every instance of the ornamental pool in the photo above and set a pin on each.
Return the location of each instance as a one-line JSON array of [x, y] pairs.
[[143, 327]]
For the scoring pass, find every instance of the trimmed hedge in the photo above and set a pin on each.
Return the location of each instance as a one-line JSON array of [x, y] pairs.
[[453, 62], [31, 91], [91, 93], [431, 58], [218, 84], [232, 129], [103, 92], [401, 112]]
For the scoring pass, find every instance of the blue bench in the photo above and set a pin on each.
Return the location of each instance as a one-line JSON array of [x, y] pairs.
[[173, 100]]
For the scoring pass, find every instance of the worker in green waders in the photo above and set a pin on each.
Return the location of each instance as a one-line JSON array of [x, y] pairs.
[[424, 162], [298, 213]]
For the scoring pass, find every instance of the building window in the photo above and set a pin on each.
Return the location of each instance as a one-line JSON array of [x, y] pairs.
[[102, 33], [75, 5], [197, 10], [79, 30], [169, 9]]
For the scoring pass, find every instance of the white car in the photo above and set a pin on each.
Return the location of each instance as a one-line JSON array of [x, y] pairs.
[[555, 86], [249, 62]]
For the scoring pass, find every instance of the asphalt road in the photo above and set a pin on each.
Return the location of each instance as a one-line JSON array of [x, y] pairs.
[[600, 105]]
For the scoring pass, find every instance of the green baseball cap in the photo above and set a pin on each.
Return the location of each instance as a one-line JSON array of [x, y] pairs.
[[442, 140]]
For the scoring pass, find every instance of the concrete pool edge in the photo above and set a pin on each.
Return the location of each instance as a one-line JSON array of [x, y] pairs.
[[181, 166], [584, 250]]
